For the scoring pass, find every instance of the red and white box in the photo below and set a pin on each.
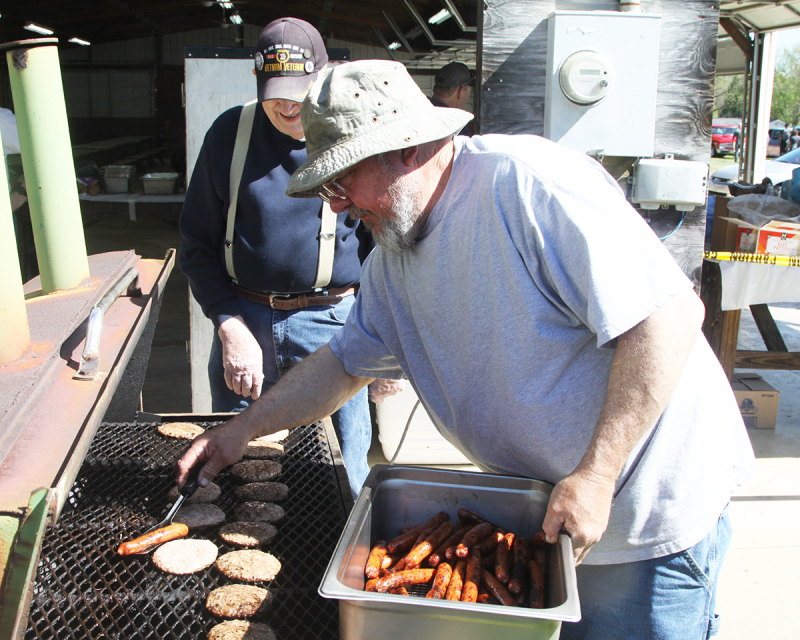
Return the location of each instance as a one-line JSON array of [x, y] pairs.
[[776, 238]]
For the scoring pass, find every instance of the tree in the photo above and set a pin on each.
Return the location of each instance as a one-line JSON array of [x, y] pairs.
[[728, 97], [786, 89]]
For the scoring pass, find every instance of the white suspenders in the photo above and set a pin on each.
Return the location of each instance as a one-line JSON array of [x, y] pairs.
[[327, 233]]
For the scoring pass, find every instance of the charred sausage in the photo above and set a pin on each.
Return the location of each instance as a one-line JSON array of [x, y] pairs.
[[150, 540], [536, 598], [520, 569], [472, 578], [473, 537], [502, 559], [441, 553], [470, 517], [403, 579], [456, 581], [497, 589], [375, 559], [426, 547], [440, 581], [489, 544], [406, 541]]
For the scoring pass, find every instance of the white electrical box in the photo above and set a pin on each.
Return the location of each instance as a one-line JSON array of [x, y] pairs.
[[680, 183], [602, 80]]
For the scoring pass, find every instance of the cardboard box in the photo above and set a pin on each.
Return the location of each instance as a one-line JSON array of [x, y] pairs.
[[757, 400], [776, 238]]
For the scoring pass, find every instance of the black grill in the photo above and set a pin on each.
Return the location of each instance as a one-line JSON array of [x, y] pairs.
[[83, 589]]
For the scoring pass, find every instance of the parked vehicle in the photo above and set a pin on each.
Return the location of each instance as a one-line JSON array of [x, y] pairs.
[[724, 139], [778, 170], [774, 142]]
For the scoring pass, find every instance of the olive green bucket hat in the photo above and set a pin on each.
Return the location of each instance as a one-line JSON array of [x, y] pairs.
[[360, 109]]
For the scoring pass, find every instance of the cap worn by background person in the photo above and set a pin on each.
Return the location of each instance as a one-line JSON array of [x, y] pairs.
[[360, 109], [289, 56], [453, 75]]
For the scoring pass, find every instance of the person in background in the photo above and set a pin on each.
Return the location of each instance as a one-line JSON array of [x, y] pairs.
[[292, 277], [794, 140], [578, 364], [452, 87]]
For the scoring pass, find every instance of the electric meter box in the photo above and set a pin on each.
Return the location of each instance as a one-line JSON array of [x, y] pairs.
[[680, 183], [602, 80]]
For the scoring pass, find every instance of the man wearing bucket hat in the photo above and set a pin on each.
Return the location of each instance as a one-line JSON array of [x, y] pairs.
[[275, 275], [539, 347]]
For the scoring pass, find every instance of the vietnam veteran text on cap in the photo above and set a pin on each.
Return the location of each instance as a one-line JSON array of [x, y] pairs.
[[289, 55]]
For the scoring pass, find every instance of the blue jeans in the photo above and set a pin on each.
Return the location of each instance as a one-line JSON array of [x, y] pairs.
[[669, 598], [286, 338]]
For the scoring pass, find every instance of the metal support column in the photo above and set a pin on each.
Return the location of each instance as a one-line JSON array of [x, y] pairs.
[[46, 151]]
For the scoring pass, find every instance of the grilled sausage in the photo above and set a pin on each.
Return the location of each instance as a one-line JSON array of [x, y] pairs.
[[497, 589], [406, 541], [375, 559], [456, 582], [400, 566], [389, 560], [473, 537], [536, 598], [370, 585], [440, 581], [502, 557], [520, 569], [488, 545], [400, 591], [150, 540], [539, 540], [472, 578], [441, 553], [403, 579], [470, 517], [426, 547]]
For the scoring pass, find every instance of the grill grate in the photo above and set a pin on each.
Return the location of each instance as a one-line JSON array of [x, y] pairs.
[[84, 590]]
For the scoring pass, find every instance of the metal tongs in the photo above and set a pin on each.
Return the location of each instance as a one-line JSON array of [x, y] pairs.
[[187, 491]]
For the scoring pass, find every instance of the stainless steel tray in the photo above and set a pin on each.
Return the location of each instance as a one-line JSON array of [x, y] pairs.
[[397, 496]]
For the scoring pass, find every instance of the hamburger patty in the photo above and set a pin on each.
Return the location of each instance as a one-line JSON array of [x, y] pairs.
[[208, 493], [238, 601], [182, 430], [249, 565], [241, 630], [262, 491], [264, 450], [200, 515], [258, 512], [185, 556], [256, 470], [248, 534]]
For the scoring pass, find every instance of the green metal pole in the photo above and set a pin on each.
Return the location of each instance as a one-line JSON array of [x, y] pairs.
[[15, 338], [46, 151]]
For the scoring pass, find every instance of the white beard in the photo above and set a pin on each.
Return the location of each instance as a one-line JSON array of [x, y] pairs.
[[399, 232]]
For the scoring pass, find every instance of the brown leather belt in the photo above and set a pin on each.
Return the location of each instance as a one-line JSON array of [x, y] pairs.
[[292, 301]]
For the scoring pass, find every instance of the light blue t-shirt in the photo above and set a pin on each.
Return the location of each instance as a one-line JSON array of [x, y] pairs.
[[504, 316]]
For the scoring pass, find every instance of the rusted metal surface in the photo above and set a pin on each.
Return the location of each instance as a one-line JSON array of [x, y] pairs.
[[54, 321]]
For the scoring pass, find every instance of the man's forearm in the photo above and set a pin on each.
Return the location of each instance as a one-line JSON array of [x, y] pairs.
[[648, 362], [315, 388]]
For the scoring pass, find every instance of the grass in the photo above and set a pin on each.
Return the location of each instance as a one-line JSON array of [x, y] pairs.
[[718, 163]]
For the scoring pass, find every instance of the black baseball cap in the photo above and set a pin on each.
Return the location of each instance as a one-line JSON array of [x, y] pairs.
[[289, 55], [454, 74]]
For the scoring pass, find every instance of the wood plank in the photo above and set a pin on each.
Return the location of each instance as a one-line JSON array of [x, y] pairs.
[[768, 328], [512, 63], [721, 328], [767, 360]]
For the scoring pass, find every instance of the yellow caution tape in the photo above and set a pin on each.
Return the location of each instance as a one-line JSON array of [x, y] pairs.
[[784, 261]]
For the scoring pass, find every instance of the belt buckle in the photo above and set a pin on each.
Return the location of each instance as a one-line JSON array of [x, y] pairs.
[[277, 296]]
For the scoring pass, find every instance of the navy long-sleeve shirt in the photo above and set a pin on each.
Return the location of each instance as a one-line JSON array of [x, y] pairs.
[[276, 240]]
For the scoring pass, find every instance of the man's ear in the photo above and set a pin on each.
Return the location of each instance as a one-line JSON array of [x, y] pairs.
[[254, 72], [409, 155]]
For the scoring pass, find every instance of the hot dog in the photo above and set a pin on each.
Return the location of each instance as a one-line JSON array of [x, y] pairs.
[[520, 569], [150, 540], [441, 553], [536, 598], [440, 581], [406, 541], [472, 578], [473, 537], [497, 589], [456, 582], [389, 560], [403, 579], [502, 558], [426, 547], [375, 559]]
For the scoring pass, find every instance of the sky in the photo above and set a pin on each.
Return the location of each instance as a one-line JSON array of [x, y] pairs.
[[788, 38]]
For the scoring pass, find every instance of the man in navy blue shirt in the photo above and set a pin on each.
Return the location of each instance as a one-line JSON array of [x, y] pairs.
[[263, 291]]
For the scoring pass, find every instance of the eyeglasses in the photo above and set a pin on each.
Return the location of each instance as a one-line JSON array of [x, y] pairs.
[[332, 189]]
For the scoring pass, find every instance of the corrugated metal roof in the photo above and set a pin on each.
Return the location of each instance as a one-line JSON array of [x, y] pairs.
[[762, 16]]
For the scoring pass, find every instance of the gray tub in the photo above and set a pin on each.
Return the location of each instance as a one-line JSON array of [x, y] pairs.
[[397, 496]]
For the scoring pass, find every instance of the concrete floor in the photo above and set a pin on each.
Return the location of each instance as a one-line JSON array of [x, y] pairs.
[[760, 585]]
